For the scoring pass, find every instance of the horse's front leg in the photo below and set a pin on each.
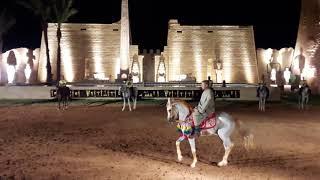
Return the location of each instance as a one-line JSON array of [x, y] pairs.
[[182, 138], [192, 143], [259, 105], [264, 105], [299, 103], [124, 103], [59, 101], [67, 102]]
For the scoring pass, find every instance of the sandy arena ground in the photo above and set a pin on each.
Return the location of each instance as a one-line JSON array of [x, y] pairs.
[[100, 142]]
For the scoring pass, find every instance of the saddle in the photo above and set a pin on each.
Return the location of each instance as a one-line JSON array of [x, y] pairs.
[[209, 122], [186, 128]]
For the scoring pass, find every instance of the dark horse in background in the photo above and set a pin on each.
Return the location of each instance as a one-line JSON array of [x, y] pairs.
[[63, 96], [127, 94], [303, 96]]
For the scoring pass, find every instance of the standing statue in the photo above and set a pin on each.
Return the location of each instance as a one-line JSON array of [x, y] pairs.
[[286, 75], [273, 68], [301, 61], [219, 71]]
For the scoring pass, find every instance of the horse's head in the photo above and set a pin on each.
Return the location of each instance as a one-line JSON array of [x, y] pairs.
[[172, 112], [123, 88]]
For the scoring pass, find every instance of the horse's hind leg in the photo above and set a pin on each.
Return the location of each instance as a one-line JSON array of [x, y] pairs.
[[65, 101], [193, 150], [134, 102], [224, 135], [182, 138], [129, 104], [264, 105]]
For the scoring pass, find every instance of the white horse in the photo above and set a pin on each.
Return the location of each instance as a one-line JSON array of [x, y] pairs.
[[304, 93], [127, 94], [262, 94], [181, 111]]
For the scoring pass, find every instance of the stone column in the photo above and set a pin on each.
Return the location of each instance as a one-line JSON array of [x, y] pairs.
[[124, 39]]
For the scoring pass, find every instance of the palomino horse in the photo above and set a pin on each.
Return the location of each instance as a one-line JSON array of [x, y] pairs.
[[181, 111], [262, 94], [304, 93], [63, 95], [127, 94]]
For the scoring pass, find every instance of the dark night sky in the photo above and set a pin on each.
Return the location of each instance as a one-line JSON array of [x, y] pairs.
[[275, 21]]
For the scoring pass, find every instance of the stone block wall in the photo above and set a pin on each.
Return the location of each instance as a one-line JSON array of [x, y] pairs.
[[191, 49], [22, 62], [86, 49]]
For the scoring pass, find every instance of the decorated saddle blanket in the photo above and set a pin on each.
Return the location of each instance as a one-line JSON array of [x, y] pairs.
[[186, 128]]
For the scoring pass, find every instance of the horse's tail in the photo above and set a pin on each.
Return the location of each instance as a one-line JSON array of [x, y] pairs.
[[245, 134]]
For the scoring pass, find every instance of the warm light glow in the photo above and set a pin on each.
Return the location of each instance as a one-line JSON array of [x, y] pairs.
[[135, 72], [161, 72], [27, 72], [175, 63], [210, 68], [124, 38], [286, 75], [273, 75], [135, 79], [219, 75], [197, 47], [100, 76], [67, 61], [287, 87], [22, 66], [248, 67], [117, 67], [181, 77], [97, 58], [124, 76], [11, 71], [267, 55], [308, 73]]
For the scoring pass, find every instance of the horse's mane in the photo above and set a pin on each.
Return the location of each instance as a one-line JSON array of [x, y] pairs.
[[184, 103]]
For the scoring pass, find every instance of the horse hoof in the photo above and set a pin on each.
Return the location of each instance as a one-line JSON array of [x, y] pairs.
[[180, 159], [222, 163], [193, 165]]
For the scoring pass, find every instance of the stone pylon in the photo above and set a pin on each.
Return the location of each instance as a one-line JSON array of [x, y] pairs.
[[307, 50], [125, 38]]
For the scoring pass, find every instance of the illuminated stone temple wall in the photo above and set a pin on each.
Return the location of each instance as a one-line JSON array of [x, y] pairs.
[[269, 58], [19, 66], [88, 51], [307, 54], [222, 52]]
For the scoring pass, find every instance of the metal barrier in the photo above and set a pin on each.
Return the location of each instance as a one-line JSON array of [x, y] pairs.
[[149, 93]]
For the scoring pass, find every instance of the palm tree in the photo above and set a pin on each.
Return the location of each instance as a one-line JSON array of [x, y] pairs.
[[42, 9], [62, 11], [6, 22]]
